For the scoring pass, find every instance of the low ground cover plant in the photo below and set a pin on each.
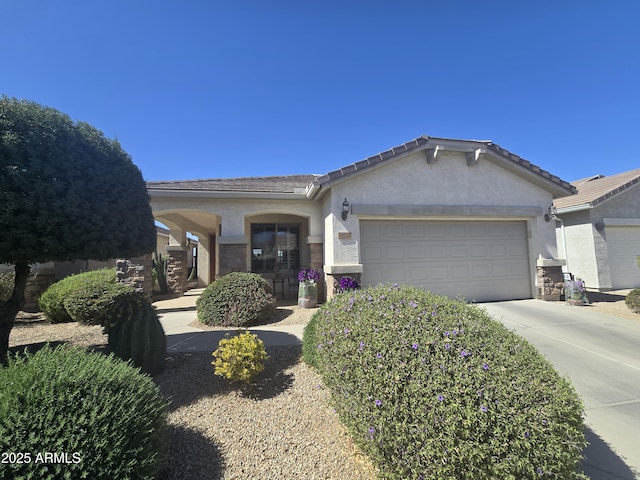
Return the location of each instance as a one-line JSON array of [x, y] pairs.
[[237, 299], [632, 300], [101, 417], [432, 388], [240, 358], [51, 302]]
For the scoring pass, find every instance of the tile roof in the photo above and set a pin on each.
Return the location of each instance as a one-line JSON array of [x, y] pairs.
[[300, 183], [423, 142], [273, 184], [597, 189]]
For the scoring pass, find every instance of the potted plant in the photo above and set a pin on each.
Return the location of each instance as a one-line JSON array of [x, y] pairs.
[[575, 292], [347, 284], [308, 287]]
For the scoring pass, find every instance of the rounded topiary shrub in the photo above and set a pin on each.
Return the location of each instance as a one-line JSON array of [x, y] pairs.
[[433, 388], [632, 300], [51, 302], [236, 300], [99, 416], [94, 302], [240, 358]]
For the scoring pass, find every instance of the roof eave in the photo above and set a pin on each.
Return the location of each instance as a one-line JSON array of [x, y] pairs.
[[573, 208], [187, 193]]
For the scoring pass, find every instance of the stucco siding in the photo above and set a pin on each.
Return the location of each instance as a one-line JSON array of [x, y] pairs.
[[623, 205], [449, 183]]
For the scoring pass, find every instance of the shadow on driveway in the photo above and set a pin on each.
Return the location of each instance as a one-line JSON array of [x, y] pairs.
[[602, 463]]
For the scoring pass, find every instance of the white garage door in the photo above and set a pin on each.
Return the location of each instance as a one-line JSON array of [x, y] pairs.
[[479, 261], [623, 246]]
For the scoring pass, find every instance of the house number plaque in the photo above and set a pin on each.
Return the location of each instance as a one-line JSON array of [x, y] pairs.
[[344, 235]]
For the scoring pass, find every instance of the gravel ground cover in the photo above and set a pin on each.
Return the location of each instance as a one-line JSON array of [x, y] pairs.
[[283, 427]]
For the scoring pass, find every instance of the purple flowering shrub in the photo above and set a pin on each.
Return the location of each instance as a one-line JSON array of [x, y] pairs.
[[432, 388]]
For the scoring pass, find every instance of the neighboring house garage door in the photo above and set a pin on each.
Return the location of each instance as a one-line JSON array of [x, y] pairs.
[[623, 247], [481, 261]]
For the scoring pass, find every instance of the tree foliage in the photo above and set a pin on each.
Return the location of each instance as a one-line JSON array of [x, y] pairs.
[[66, 191]]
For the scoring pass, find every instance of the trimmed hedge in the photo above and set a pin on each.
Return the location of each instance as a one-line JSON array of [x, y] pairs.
[[94, 303], [105, 418], [432, 388], [51, 301], [237, 299], [632, 300]]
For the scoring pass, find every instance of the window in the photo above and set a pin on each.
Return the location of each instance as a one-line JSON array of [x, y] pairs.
[[271, 243]]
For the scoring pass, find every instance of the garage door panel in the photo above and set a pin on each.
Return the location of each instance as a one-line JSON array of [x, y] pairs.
[[623, 247], [476, 260], [459, 251]]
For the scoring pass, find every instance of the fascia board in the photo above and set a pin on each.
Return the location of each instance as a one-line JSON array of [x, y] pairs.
[[162, 193], [574, 208]]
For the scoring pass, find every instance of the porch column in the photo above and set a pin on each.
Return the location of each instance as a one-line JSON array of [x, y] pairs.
[[177, 268], [232, 254], [316, 261], [549, 279], [137, 273]]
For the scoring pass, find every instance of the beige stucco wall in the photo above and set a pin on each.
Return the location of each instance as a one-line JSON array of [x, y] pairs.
[[451, 190], [586, 246]]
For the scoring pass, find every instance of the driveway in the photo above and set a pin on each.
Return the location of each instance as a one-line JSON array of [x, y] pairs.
[[600, 354]]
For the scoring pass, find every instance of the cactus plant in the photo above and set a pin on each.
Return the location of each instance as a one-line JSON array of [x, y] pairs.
[[160, 267], [135, 334]]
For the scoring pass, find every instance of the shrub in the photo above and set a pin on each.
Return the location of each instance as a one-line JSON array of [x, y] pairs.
[[93, 303], [237, 299], [6, 283], [632, 300], [109, 419], [309, 342], [433, 388], [240, 358], [51, 301]]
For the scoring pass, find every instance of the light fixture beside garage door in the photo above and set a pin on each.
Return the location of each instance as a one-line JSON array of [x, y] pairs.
[[346, 207]]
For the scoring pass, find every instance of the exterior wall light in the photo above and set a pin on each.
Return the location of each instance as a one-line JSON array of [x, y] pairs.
[[599, 226], [346, 206], [551, 214]]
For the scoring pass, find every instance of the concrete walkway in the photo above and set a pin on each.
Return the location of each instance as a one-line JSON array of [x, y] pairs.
[[177, 313]]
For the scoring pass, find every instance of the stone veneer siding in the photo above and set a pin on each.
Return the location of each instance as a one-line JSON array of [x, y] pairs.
[[137, 273], [550, 280], [177, 269], [232, 258]]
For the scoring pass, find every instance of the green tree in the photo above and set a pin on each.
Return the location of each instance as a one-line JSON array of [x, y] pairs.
[[66, 192]]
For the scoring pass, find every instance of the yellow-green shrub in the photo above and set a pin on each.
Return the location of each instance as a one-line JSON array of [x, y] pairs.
[[240, 358]]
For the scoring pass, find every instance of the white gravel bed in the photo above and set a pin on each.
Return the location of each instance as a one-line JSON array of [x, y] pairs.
[[280, 428]]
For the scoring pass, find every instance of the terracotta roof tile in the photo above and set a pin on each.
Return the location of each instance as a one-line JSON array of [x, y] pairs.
[[598, 188]]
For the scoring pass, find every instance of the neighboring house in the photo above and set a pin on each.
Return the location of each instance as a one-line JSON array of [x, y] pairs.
[[460, 218], [600, 229]]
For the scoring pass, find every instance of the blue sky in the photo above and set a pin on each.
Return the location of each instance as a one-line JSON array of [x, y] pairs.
[[203, 89]]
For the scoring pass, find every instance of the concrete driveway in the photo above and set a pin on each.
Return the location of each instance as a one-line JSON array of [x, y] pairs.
[[600, 354]]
